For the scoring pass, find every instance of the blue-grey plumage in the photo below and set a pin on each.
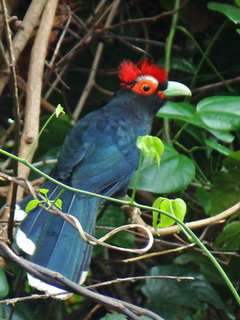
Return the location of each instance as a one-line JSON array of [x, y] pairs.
[[99, 155]]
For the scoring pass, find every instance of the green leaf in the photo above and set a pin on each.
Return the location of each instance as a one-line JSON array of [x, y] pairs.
[[225, 136], [225, 189], [175, 207], [218, 147], [220, 112], [168, 297], [24, 311], [229, 239], [157, 204], [151, 146], [58, 203], [178, 110], [32, 205], [203, 197], [175, 174], [182, 64], [59, 110], [186, 112], [53, 136], [4, 287], [237, 2], [231, 12], [43, 191], [203, 265]]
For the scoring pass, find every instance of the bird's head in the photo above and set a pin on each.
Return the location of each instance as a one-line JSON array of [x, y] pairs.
[[149, 80]]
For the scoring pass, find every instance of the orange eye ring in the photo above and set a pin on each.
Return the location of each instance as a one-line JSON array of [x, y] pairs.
[[145, 87]]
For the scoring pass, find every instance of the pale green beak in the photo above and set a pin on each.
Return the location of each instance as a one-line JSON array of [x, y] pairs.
[[176, 89]]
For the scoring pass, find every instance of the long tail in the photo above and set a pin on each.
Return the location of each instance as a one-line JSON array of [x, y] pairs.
[[53, 243]]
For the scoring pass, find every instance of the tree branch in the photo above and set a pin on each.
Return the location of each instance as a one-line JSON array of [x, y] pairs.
[[91, 79], [34, 86], [56, 279], [23, 35]]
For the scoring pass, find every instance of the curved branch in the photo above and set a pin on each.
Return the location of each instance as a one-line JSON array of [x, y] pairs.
[[134, 213]]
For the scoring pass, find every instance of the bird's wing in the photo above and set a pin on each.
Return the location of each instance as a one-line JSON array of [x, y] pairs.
[[100, 154]]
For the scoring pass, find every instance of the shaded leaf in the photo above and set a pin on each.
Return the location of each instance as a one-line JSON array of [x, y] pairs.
[[203, 197], [220, 112], [175, 173], [182, 64], [225, 189], [169, 295], [231, 12], [218, 147], [204, 265], [186, 112], [4, 287], [229, 239], [53, 135]]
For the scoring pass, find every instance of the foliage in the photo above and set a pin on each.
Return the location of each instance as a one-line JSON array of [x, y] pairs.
[[175, 173], [200, 164], [35, 202], [4, 287], [176, 207], [151, 147], [173, 299]]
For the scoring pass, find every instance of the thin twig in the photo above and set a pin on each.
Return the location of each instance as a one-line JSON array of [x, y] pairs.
[[215, 85], [23, 35], [44, 103], [148, 19], [133, 279], [90, 83], [60, 40], [91, 79], [159, 253], [13, 301], [19, 181], [90, 35], [16, 115]]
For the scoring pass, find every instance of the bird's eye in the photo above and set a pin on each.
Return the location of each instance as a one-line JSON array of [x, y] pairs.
[[146, 87]]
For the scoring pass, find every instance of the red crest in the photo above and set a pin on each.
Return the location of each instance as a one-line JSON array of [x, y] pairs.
[[129, 72]]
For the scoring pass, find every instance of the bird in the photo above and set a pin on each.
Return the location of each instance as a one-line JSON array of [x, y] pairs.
[[99, 155]]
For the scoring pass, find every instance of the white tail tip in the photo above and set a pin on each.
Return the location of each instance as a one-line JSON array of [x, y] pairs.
[[24, 243], [49, 289]]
